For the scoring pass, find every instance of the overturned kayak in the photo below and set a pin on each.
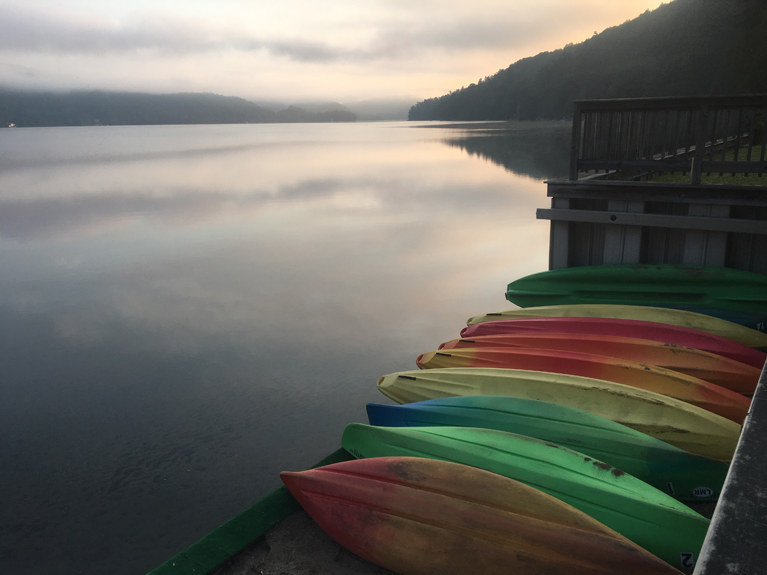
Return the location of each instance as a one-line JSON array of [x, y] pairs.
[[671, 420], [422, 516], [682, 318], [507, 323], [681, 474], [674, 286], [717, 369], [636, 510], [696, 391]]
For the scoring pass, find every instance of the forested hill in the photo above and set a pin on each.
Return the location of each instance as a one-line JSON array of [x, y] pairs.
[[88, 108], [683, 48]]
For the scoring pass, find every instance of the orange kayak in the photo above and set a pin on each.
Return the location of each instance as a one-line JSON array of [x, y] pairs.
[[704, 394], [714, 368]]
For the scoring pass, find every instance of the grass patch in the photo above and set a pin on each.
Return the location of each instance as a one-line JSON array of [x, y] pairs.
[[739, 155]]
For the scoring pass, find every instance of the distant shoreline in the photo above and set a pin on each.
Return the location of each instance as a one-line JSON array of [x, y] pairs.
[[495, 125]]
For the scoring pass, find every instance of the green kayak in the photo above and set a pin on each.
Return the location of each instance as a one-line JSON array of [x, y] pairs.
[[681, 474], [638, 511], [698, 288]]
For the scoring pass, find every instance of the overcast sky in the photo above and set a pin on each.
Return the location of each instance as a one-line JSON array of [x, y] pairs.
[[343, 50]]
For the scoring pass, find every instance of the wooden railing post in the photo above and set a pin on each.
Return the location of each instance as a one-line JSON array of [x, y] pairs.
[[575, 144], [700, 144]]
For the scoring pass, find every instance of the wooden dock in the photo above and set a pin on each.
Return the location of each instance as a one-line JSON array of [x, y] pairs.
[[735, 540], [608, 212], [611, 212]]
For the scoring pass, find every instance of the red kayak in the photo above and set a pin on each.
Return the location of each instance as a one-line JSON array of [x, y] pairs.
[[704, 394], [419, 516], [666, 333], [717, 369]]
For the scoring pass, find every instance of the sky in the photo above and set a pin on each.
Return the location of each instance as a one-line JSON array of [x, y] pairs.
[[287, 50]]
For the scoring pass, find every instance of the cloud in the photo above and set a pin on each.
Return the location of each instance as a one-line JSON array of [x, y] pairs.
[[29, 30], [345, 50]]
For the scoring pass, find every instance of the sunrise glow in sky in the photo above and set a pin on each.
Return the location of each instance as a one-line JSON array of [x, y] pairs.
[[343, 50]]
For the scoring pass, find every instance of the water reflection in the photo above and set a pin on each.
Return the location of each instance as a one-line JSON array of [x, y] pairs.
[[188, 310], [539, 150]]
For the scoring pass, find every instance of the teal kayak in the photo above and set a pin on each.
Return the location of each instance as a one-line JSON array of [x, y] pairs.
[[648, 517], [683, 475], [696, 288]]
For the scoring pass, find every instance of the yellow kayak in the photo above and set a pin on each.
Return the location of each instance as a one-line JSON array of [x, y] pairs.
[[671, 420]]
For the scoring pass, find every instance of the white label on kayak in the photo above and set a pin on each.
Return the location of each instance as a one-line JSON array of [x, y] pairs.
[[702, 492]]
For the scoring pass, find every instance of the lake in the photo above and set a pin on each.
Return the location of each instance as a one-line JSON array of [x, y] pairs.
[[188, 310]]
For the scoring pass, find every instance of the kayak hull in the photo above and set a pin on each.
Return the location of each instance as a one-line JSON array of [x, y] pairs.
[[674, 286], [717, 369], [681, 474], [676, 422], [507, 323], [696, 391], [681, 318], [639, 512], [423, 516]]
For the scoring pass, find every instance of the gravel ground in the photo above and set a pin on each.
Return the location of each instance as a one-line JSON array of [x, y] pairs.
[[298, 546]]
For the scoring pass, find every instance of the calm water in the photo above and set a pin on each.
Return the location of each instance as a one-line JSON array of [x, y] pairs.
[[188, 310]]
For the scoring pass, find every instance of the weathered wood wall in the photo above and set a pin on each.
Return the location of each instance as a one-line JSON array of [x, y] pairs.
[[607, 222]]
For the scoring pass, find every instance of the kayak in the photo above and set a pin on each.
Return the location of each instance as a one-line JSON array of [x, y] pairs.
[[676, 422], [675, 286], [704, 394], [681, 474], [648, 517], [423, 516], [677, 317], [664, 333], [717, 369]]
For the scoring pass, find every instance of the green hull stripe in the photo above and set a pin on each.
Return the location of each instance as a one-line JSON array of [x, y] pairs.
[[223, 543]]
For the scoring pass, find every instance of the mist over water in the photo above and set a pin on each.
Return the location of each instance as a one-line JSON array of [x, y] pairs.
[[188, 310]]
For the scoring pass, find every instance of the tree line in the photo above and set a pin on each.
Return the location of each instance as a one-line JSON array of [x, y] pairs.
[[683, 48], [89, 108]]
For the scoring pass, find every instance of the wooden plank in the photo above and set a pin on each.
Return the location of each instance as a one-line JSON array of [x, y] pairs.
[[705, 247], [755, 196], [655, 220], [665, 165], [735, 167], [623, 243], [559, 238], [575, 143], [664, 103], [734, 543]]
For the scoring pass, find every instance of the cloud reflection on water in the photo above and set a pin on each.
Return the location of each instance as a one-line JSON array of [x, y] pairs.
[[184, 326], [366, 233]]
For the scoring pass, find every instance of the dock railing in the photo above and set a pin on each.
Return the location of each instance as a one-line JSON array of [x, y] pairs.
[[720, 135], [618, 206]]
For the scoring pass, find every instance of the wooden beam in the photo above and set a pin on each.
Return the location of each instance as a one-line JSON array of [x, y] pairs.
[[755, 196], [735, 542], [655, 220]]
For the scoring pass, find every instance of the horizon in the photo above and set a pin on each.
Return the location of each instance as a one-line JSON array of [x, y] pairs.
[[288, 53]]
